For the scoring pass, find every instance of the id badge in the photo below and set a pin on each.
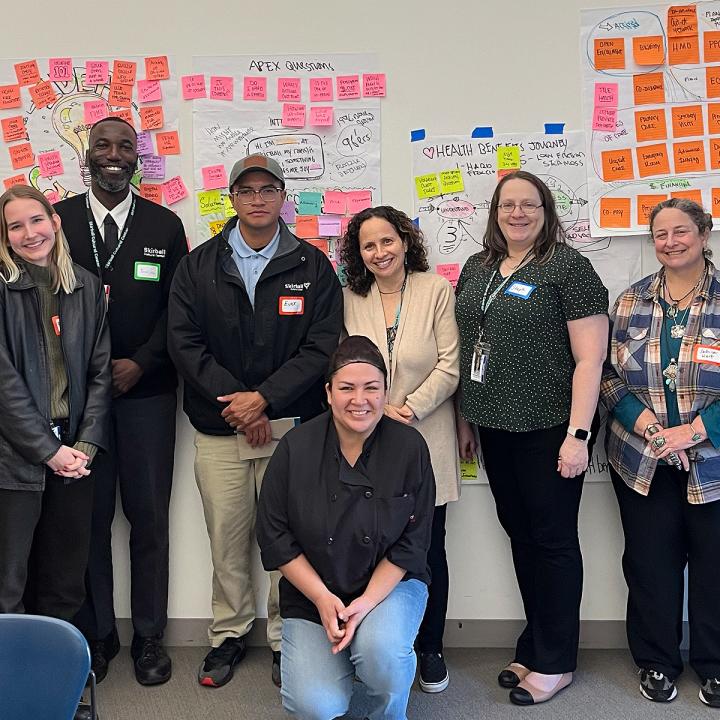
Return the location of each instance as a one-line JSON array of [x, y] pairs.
[[480, 359]]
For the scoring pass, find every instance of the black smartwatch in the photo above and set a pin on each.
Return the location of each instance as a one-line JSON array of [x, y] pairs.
[[579, 433]]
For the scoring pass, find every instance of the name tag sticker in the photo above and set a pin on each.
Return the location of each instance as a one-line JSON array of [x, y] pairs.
[[706, 354], [147, 271], [520, 290], [291, 305], [56, 324]]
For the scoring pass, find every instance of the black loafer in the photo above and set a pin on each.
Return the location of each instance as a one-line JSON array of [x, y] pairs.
[[152, 664], [512, 675], [102, 652]]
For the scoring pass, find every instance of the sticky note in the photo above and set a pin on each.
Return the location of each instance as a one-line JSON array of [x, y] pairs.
[[168, 143], [344, 222], [288, 89], [321, 115], [347, 87], [21, 156], [120, 95], [10, 96], [157, 68], [508, 157], [153, 167], [714, 147], [358, 200], [152, 117], [145, 144], [309, 203], [214, 176], [293, 115], [94, 110], [335, 202], [14, 180], [151, 192], [653, 160], [681, 21], [229, 209], [373, 84], [694, 195], [650, 125], [222, 87], [216, 227], [617, 165], [468, 470], [649, 88], [321, 89], [713, 111], [645, 204], [687, 121], [328, 226], [683, 50], [649, 50], [609, 53], [711, 46], [320, 243], [193, 86], [451, 181], [149, 91], [254, 88], [50, 163], [287, 212], [306, 226], [27, 72], [689, 156], [13, 128], [712, 81], [715, 210], [43, 94], [60, 69], [174, 190], [450, 271], [97, 72], [124, 114], [124, 72], [606, 94], [210, 202], [614, 212], [604, 119]]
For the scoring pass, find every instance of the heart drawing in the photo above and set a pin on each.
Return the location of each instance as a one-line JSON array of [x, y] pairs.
[[429, 152]]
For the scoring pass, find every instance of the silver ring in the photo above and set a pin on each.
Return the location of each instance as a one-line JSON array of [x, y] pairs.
[[658, 442], [675, 460]]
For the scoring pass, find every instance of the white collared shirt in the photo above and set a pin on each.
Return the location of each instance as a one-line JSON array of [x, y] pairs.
[[119, 212]]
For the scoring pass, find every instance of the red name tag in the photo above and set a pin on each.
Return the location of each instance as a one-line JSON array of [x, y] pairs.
[[56, 324], [291, 305]]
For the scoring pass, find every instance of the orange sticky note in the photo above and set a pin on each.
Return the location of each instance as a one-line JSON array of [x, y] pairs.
[[649, 50], [21, 156], [715, 210], [645, 204], [124, 72], [120, 95], [650, 125], [43, 94], [168, 143], [27, 72], [151, 192], [687, 121], [14, 180], [681, 21], [713, 120], [689, 156], [124, 114], [609, 53], [157, 68], [711, 46], [653, 160], [694, 195], [151, 117], [614, 212], [649, 88], [712, 81], [306, 226], [13, 128], [714, 145], [683, 50], [10, 96], [617, 165]]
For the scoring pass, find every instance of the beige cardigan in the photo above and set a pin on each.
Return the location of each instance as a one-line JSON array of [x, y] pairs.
[[425, 364]]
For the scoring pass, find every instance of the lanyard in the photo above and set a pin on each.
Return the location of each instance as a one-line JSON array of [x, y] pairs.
[[93, 238]]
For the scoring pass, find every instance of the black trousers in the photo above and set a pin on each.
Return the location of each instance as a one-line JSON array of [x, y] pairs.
[[141, 462], [44, 542], [430, 635], [538, 508], [663, 534]]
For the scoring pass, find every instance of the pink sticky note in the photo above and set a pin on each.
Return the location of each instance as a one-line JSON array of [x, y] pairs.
[[149, 91], [221, 88], [53, 196], [293, 115], [605, 119], [321, 115], [60, 69], [50, 163], [287, 212], [374, 85], [174, 190], [96, 72], [193, 86], [254, 88], [321, 89], [450, 271], [95, 110], [288, 90], [334, 201], [348, 87], [606, 94], [358, 200], [344, 222], [214, 177]]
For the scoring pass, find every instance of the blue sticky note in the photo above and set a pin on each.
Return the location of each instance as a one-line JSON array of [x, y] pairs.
[[554, 128], [416, 135], [482, 132], [309, 203]]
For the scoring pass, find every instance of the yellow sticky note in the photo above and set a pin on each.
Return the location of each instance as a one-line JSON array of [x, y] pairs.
[[468, 470], [427, 185], [451, 181], [216, 227], [508, 157], [229, 209], [209, 201]]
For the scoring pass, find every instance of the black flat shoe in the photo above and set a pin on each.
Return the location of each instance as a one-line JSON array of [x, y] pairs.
[[512, 675]]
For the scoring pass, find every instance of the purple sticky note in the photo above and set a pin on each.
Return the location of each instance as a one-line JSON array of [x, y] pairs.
[[153, 167], [288, 211], [145, 144]]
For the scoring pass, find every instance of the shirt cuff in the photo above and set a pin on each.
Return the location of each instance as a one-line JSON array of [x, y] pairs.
[[88, 448], [711, 419], [627, 411]]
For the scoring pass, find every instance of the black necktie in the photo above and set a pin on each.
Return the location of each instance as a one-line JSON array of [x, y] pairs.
[[111, 233]]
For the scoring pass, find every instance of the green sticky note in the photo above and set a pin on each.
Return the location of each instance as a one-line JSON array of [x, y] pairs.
[[508, 157], [309, 203], [210, 201], [229, 209], [427, 185], [451, 181]]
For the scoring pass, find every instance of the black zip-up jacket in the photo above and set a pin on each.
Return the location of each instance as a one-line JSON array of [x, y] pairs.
[[220, 345], [26, 440]]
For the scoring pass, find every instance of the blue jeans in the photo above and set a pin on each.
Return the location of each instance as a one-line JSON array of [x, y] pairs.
[[317, 685]]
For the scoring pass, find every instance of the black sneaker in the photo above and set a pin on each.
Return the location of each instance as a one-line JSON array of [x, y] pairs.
[[434, 677], [276, 676], [656, 686], [153, 666], [102, 652], [710, 692], [218, 666]]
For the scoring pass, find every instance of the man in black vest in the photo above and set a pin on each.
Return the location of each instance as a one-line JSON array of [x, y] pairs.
[[134, 245]]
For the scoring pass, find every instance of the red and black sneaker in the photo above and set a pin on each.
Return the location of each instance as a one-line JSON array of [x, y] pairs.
[[219, 664]]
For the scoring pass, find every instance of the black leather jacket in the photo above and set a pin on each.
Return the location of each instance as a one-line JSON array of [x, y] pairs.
[[26, 440]]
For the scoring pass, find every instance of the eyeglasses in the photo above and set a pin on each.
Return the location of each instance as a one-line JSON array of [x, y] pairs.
[[527, 208], [247, 195]]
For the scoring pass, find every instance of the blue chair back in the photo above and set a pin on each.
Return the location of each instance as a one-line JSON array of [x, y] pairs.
[[44, 665]]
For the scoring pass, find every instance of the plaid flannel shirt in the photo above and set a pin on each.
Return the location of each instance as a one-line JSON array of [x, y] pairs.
[[633, 366]]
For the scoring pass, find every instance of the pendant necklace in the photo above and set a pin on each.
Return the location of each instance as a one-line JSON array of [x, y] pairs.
[[677, 330]]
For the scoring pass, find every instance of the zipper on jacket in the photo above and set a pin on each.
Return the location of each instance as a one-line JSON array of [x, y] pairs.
[[43, 355]]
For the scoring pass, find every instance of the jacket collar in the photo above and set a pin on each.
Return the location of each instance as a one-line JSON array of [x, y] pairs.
[[25, 282], [288, 242]]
